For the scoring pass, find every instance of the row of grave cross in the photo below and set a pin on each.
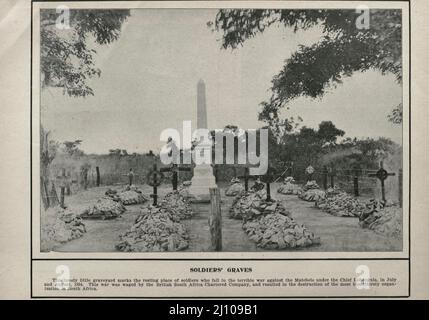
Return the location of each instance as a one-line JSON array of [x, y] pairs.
[[155, 177], [381, 174]]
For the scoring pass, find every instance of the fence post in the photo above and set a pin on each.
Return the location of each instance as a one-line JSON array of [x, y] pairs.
[[62, 187], [215, 220], [332, 176], [45, 193], [400, 187], [356, 182], [325, 177], [246, 179], [85, 179], [53, 197], [68, 188], [97, 169]]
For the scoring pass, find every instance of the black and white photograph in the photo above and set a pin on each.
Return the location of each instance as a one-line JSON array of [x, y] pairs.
[[222, 130], [214, 152]]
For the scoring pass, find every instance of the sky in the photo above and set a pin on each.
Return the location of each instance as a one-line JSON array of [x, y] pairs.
[[149, 78]]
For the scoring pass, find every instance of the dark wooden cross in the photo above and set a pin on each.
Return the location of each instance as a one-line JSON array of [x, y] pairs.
[[174, 168], [154, 179], [382, 175], [64, 182], [332, 173], [246, 175], [267, 178], [130, 176]]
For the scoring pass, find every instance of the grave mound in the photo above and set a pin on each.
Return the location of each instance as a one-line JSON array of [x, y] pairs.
[[278, 231], [248, 203], [104, 208], [129, 195], [183, 189], [235, 187], [58, 226], [177, 205], [269, 223], [312, 192], [341, 205], [383, 219], [154, 230], [289, 187], [333, 191]]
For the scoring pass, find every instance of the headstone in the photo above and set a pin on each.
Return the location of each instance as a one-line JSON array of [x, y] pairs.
[[203, 178]]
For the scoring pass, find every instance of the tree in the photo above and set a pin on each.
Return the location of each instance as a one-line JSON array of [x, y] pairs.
[[115, 152], [328, 132], [312, 70], [305, 146], [396, 115], [66, 58], [72, 148], [364, 154], [48, 152]]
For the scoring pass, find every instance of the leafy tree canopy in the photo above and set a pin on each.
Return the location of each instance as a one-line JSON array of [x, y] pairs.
[[396, 115], [328, 132], [66, 58], [72, 148], [312, 70]]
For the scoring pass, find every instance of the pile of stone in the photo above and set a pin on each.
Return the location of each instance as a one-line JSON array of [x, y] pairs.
[[177, 205], [104, 208], [235, 187], [269, 223], [333, 191], [184, 188], [130, 195], [341, 205], [310, 185], [58, 226], [382, 218], [289, 187], [278, 231], [154, 230], [112, 194], [251, 203], [258, 185], [312, 192]]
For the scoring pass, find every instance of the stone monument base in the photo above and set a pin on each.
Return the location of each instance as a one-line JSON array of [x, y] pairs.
[[202, 181]]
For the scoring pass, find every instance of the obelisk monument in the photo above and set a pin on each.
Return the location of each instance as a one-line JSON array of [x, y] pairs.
[[203, 178]]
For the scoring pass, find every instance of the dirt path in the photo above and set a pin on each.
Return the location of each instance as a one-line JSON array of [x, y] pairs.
[[337, 234], [233, 236], [102, 235]]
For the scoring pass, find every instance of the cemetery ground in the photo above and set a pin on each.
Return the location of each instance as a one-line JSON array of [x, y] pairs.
[[337, 234]]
